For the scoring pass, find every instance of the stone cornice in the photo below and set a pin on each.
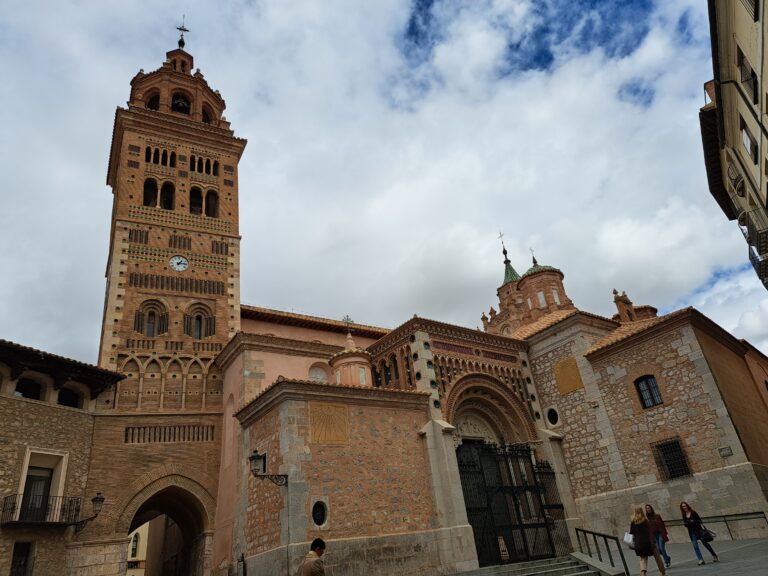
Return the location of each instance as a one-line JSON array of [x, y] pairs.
[[307, 321], [246, 341], [285, 390], [435, 328]]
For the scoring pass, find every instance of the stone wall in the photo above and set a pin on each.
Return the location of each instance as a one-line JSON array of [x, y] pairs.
[[47, 427]]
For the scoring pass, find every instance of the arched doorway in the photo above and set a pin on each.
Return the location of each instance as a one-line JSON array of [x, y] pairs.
[[176, 521], [511, 499]]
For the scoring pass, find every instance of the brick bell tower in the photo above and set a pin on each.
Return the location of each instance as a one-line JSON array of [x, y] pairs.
[[173, 274]]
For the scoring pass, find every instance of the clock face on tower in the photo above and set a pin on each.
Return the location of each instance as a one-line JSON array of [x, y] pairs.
[[178, 263]]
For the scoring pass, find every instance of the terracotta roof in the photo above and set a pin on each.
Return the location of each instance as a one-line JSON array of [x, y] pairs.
[[530, 330], [60, 368], [306, 321], [629, 329]]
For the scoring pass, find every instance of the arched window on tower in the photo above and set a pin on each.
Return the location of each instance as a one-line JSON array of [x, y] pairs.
[[180, 102], [150, 192], [148, 155], [207, 166], [172, 161], [164, 159], [196, 201], [156, 156], [199, 322], [207, 117], [153, 102], [166, 196], [212, 204], [192, 164], [151, 319], [215, 167], [200, 165]]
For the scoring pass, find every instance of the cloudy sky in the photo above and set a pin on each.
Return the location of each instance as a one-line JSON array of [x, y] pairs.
[[388, 143]]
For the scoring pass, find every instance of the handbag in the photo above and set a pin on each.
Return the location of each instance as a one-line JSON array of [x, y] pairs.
[[629, 540], [706, 534]]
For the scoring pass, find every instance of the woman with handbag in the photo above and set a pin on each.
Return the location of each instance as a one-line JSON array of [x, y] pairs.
[[659, 530], [643, 541], [696, 531]]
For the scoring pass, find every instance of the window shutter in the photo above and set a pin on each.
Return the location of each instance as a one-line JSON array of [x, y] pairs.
[[210, 326], [187, 324], [138, 321]]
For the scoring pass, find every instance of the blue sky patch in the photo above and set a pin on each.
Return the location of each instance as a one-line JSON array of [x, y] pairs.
[[637, 92]]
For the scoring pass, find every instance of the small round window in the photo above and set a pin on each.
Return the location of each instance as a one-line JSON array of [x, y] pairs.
[[553, 417], [319, 513]]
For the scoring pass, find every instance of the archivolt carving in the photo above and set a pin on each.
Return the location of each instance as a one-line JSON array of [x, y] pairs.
[[491, 392]]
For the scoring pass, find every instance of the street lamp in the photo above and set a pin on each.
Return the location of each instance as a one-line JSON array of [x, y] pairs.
[[258, 464], [97, 502]]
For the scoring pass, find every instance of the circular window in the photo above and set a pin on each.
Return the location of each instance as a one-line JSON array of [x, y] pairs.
[[319, 513], [553, 417], [415, 357], [533, 397], [537, 415], [436, 403]]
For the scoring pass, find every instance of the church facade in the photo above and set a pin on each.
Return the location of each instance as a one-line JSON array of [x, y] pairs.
[[429, 448]]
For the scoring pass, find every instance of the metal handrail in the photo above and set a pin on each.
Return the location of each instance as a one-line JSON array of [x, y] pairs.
[[607, 538], [724, 518], [16, 509]]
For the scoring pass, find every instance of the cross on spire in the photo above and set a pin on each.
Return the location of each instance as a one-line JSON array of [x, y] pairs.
[[535, 263], [182, 29]]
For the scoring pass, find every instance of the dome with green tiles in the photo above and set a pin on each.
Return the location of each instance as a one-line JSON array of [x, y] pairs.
[[540, 268]]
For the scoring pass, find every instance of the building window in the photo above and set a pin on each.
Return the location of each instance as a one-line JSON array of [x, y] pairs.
[[747, 75], [556, 296], [37, 491], [530, 304], [135, 546], [318, 374], [69, 398], [150, 192], [180, 103], [212, 204], [166, 196], [196, 201], [670, 459], [28, 388], [199, 322], [21, 563], [542, 300], [748, 141], [151, 319], [362, 376], [648, 391], [153, 103]]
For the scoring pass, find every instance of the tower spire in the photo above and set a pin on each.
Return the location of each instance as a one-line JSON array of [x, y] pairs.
[[510, 274], [182, 29]]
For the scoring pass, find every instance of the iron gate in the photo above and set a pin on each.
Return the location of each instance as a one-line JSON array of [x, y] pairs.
[[512, 504]]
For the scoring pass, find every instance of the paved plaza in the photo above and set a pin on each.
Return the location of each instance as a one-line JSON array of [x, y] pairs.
[[737, 558]]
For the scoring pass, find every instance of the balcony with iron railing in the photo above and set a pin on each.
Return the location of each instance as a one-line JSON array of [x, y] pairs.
[[760, 264], [757, 231], [37, 510]]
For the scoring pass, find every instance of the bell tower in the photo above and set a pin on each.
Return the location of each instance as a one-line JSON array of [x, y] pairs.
[[173, 272]]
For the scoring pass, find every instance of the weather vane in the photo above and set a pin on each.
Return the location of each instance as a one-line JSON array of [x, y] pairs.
[[501, 237], [182, 29], [533, 256]]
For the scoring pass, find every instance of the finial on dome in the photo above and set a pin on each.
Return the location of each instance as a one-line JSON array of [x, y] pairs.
[[350, 342], [510, 274], [535, 262], [182, 29]]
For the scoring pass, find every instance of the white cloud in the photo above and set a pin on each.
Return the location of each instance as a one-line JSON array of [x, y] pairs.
[[349, 203]]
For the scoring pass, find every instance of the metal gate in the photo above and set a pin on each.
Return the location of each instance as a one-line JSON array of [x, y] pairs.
[[512, 504]]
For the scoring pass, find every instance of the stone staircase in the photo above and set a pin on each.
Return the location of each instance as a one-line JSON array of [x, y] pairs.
[[563, 566]]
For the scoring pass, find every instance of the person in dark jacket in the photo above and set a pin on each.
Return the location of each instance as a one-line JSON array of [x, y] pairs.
[[659, 530], [644, 543], [692, 521]]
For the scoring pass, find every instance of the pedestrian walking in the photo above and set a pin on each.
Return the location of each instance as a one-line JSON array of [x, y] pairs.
[[692, 521], [644, 544], [659, 530], [312, 565]]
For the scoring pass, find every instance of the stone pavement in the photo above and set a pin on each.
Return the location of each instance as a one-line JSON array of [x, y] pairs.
[[737, 558]]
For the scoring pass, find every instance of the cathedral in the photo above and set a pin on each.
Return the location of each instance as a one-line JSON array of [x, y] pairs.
[[242, 433]]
